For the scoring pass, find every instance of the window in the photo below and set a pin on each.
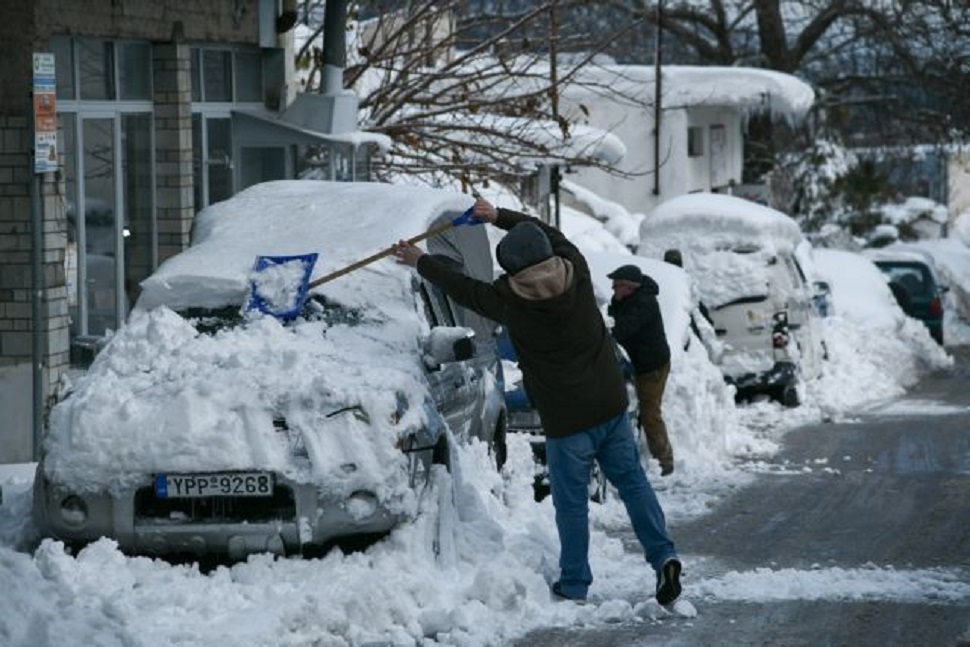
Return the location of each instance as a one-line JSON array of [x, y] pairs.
[[105, 130], [226, 76], [95, 69], [134, 71], [216, 75], [249, 77], [63, 49], [695, 141]]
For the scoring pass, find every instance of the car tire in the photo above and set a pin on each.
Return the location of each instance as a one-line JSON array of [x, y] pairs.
[[787, 395]]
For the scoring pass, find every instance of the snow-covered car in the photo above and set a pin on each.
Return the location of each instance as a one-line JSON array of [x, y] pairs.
[[912, 275], [206, 427], [744, 259]]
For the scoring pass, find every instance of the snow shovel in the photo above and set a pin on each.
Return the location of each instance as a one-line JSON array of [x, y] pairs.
[[285, 303]]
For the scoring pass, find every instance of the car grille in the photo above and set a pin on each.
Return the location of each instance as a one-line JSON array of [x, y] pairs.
[[215, 509], [524, 421]]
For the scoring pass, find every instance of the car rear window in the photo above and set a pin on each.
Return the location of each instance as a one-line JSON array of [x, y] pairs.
[[912, 276]]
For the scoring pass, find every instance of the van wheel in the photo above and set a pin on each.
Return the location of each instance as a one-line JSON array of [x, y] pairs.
[[787, 395]]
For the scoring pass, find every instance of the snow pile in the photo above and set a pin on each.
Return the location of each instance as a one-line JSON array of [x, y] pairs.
[[474, 566]]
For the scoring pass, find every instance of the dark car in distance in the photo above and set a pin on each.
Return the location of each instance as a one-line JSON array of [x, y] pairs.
[[923, 293]]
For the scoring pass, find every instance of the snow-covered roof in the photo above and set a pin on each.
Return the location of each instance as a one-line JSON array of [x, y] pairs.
[[686, 85], [583, 141]]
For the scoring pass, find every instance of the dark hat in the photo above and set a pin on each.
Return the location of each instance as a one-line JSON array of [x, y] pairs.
[[674, 257], [525, 245], [630, 273]]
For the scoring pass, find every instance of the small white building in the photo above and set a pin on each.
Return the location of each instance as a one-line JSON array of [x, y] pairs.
[[701, 125]]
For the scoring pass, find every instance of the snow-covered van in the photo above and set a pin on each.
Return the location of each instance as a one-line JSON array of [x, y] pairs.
[[207, 427], [744, 260]]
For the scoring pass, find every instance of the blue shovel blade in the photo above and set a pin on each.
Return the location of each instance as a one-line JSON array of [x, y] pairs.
[[279, 284]]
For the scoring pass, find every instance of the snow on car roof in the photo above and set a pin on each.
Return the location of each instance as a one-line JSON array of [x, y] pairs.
[[716, 221], [728, 243], [342, 221], [899, 254]]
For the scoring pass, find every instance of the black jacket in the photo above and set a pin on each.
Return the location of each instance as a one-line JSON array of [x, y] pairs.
[[569, 368], [639, 327]]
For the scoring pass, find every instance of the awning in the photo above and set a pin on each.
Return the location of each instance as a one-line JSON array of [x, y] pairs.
[[251, 128]]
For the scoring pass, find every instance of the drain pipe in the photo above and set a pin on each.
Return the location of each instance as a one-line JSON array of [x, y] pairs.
[[36, 291], [334, 47]]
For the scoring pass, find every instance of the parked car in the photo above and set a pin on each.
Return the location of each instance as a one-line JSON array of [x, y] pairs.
[[744, 259], [916, 284], [204, 427]]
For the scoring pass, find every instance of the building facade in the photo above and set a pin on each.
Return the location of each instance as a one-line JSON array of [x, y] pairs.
[[162, 107]]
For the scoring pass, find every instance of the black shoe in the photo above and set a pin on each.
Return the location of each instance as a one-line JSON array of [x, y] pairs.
[[559, 595], [666, 470], [668, 581]]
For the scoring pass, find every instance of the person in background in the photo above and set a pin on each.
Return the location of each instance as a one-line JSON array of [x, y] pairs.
[[639, 328], [570, 371]]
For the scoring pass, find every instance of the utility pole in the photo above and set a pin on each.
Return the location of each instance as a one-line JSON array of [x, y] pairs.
[[554, 82], [657, 108]]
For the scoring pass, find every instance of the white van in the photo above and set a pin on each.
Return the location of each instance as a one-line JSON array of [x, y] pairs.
[[744, 259]]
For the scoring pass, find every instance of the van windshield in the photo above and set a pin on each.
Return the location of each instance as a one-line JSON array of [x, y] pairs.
[[317, 308]]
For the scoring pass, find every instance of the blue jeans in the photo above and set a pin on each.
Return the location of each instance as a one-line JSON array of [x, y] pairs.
[[570, 460]]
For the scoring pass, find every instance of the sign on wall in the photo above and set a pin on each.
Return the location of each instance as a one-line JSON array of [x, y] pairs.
[[45, 114]]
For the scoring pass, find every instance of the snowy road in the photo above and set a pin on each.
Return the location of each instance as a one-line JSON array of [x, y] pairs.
[[874, 508]]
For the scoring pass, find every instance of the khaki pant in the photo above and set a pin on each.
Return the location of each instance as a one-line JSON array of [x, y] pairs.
[[650, 393]]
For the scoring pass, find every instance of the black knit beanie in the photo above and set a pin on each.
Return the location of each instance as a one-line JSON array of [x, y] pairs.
[[523, 246]]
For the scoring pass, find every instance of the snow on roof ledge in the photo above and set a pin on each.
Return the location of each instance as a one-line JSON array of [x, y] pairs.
[[748, 88], [745, 87]]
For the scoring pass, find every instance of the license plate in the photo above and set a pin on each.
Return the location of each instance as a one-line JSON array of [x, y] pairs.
[[172, 486]]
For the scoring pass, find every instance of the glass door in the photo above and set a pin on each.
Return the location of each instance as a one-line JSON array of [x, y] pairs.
[[138, 227], [211, 158], [111, 226], [100, 233]]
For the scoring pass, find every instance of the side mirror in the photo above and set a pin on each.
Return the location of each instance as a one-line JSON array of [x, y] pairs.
[[449, 344]]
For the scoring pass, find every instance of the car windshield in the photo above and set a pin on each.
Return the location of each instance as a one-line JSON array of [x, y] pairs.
[[317, 308]]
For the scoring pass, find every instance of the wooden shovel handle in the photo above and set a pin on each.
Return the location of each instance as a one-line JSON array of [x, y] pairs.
[[379, 255]]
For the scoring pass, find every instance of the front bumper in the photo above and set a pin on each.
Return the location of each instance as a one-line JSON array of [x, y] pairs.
[[296, 517], [782, 373]]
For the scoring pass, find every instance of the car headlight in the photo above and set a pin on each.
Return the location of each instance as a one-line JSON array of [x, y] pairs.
[[74, 511]]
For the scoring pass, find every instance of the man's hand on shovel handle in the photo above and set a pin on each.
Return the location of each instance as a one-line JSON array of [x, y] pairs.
[[484, 210], [407, 253]]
